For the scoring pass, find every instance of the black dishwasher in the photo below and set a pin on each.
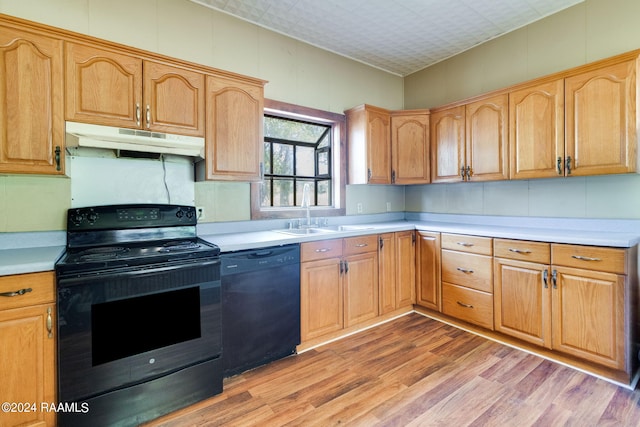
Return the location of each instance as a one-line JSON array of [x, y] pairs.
[[260, 306]]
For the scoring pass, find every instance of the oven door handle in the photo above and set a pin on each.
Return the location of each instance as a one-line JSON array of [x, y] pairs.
[[132, 271]]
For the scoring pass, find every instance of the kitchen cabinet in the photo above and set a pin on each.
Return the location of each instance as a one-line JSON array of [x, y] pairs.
[[234, 137], [428, 286], [601, 121], [114, 88], [588, 310], [467, 278], [396, 270], [522, 290], [368, 130], [31, 102], [410, 147], [338, 284], [470, 142], [27, 347], [536, 130]]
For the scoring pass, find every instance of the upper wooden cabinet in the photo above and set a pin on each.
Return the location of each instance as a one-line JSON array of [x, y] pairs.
[[536, 130], [469, 142], [369, 145], [116, 89], [31, 103], [410, 147], [234, 138], [388, 147], [601, 120]]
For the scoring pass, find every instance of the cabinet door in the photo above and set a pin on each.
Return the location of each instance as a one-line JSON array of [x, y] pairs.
[[321, 298], [522, 300], [378, 148], [410, 148], [428, 270], [406, 268], [536, 131], [387, 272], [234, 137], [360, 288], [27, 351], [486, 139], [447, 144], [103, 87], [588, 315], [173, 99], [601, 121], [31, 103]]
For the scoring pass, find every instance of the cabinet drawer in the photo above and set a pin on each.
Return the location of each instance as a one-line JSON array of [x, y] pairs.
[[468, 305], [360, 244], [470, 270], [322, 249], [41, 285], [471, 244], [522, 250], [609, 260]]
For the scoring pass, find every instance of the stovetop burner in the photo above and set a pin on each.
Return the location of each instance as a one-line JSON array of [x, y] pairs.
[[125, 236]]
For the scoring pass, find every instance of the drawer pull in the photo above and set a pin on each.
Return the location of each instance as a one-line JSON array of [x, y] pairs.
[[321, 250], [520, 251], [464, 270], [585, 258], [15, 293], [464, 305], [361, 245], [465, 244]]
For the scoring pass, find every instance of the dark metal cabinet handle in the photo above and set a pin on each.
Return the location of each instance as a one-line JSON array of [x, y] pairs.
[[462, 172], [554, 279], [341, 267], [559, 165], [381, 242], [520, 251], [57, 157], [469, 173], [464, 270], [393, 177], [346, 267], [16, 293], [464, 305], [369, 174], [568, 165], [545, 278], [465, 244]]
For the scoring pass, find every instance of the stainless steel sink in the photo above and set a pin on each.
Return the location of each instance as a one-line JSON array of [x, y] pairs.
[[306, 231]]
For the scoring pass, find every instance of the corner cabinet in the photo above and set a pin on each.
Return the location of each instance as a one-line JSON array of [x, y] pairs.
[[368, 129], [27, 347], [410, 147], [396, 270], [234, 137], [113, 88], [31, 103]]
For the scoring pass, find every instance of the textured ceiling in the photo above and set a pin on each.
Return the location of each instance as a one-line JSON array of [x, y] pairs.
[[398, 36]]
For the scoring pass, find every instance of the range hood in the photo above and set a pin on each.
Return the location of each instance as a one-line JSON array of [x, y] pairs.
[[122, 139]]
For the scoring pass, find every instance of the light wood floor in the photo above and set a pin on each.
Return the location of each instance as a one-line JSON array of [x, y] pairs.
[[414, 371]]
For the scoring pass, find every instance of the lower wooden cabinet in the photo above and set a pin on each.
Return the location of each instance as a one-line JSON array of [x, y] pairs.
[[428, 289], [396, 270], [338, 284], [27, 348]]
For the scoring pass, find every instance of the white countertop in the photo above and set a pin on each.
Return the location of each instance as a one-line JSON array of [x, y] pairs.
[[232, 237]]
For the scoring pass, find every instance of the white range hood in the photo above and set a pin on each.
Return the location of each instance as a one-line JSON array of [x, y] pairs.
[[122, 139]]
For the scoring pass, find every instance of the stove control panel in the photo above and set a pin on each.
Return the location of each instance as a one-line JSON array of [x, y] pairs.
[[130, 216]]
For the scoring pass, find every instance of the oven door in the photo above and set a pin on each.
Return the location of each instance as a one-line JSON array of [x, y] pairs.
[[124, 327]]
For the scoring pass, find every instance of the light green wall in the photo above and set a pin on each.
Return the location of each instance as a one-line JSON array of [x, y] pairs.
[[584, 33], [297, 73]]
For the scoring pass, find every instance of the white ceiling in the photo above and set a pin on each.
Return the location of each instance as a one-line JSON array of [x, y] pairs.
[[398, 36]]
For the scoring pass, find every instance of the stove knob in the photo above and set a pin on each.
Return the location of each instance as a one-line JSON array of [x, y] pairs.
[[180, 213], [190, 214], [77, 218], [92, 217]]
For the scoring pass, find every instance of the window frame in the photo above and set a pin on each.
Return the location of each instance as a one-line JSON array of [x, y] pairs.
[[338, 163]]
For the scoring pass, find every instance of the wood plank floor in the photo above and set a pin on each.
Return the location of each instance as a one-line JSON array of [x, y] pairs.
[[414, 371]]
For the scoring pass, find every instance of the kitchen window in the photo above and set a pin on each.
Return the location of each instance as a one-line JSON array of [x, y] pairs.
[[301, 146]]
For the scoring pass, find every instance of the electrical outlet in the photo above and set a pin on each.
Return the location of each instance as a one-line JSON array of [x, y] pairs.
[[388, 206], [200, 212], [359, 207]]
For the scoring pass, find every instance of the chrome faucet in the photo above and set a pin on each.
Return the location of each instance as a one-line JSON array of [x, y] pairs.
[[306, 201]]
